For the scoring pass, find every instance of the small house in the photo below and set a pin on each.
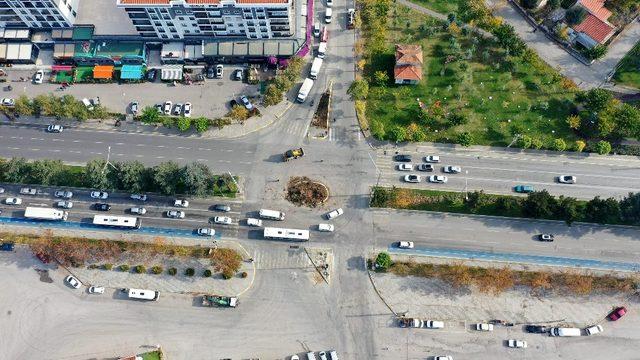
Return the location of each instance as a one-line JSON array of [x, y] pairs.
[[408, 68]]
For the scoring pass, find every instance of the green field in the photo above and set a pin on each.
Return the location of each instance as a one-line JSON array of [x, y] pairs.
[[500, 96], [443, 7], [628, 72]]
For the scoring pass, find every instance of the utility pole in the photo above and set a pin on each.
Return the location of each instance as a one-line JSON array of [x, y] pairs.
[[466, 195]]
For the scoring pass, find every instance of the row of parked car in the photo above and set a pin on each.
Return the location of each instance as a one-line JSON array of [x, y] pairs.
[[179, 109], [322, 355]]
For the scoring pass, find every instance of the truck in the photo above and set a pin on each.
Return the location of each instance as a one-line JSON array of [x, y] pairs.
[[41, 213], [292, 154], [304, 90], [410, 323], [315, 68], [219, 301], [271, 214], [322, 50], [563, 332]]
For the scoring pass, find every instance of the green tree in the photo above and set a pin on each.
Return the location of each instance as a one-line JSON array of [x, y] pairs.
[[150, 115], [383, 261], [456, 119], [507, 38], [132, 176], [465, 139], [23, 106], [272, 95], [603, 211], [627, 121], [603, 147], [559, 145], [568, 209], [239, 113], [96, 175], [575, 15], [398, 134], [46, 172], [16, 170], [381, 78], [183, 123], [196, 178], [553, 4], [595, 100], [630, 209], [596, 52], [358, 90], [202, 124], [530, 4], [539, 205], [166, 177]]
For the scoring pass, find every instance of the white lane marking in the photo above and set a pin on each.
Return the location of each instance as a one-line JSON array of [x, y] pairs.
[[139, 145], [14, 148], [204, 149], [54, 150], [119, 143], [159, 157], [98, 142], [76, 141], [182, 147], [552, 172], [35, 149]]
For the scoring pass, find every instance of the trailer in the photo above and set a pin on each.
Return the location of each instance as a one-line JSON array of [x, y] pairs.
[[40, 213], [315, 68], [304, 90], [219, 301]]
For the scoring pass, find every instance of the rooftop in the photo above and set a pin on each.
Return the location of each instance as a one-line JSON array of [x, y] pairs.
[[596, 8], [408, 54], [194, 2], [595, 28], [407, 72], [107, 19]]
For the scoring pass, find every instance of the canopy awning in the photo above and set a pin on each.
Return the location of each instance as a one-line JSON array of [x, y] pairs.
[[171, 72], [103, 72], [61, 68], [131, 72]]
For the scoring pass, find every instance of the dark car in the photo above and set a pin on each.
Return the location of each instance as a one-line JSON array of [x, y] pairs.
[[211, 72], [402, 158], [233, 103], [102, 207], [222, 207], [546, 237], [424, 167], [536, 329], [617, 313], [7, 246], [152, 74]]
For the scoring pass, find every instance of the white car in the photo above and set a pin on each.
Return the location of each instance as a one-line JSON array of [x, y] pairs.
[[326, 227], [225, 220], [219, 71], [134, 107], [64, 204], [412, 178], [168, 105], [1, 190], [451, 169], [247, 104], [187, 109], [323, 355], [439, 179], [405, 244], [55, 128], [63, 194], [443, 357], [96, 290], [334, 214], [75, 283], [13, 201], [484, 327], [433, 324], [294, 357], [177, 111], [175, 214], [99, 195], [8, 102], [139, 197], [254, 222], [181, 203], [567, 179], [206, 232], [138, 210], [512, 343], [28, 191], [38, 77], [238, 74], [405, 167], [594, 330], [432, 159]]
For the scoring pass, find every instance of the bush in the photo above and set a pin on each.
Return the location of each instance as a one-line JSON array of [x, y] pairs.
[[227, 274], [189, 272], [559, 145], [107, 266], [603, 147], [140, 269], [156, 269], [124, 267], [207, 273], [244, 274], [575, 15], [383, 261], [202, 124], [579, 145], [465, 139], [172, 271], [184, 123]]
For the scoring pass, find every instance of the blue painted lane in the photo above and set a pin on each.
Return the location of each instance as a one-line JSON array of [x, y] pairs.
[[518, 258]]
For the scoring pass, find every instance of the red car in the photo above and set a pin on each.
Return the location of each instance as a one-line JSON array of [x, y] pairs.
[[617, 313]]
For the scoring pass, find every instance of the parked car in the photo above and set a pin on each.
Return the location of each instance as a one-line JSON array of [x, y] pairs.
[[175, 214], [168, 105], [211, 72], [405, 244], [139, 197], [512, 343], [7, 246], [322, 355], [254, 222], [63, 194], [8, 102], [424, 167], [247, 104], [152, 74], [233, 103], [595, 329], [206, 232], [96, 290], [28, 191], [617, 313], [484, 327], [402, 158], [222, 207], [65, 204], [567, 179], [138, 210], [102, 206], [546, 237], [13, 201], [55, 128], [412, 178], [181, 203], [238, 74], [432, 159], [219, 71], [443, 357], [160, 108], [99, 195], [177, 110], [405, 167], [536, 329], [225, 220], [439, 179], [451, 169], [75, 283], [433, 324], [334, 214], [525, 189], [38, 78], [134, 107], [1, 190], [187, 109], [326, 227]]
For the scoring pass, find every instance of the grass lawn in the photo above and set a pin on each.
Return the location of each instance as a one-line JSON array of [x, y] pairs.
[[629, 71], [467, 75], [153, 355], [443, 7]]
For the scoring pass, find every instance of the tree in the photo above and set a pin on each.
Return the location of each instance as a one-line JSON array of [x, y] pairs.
[[23, 106], [15, 170], [383, 261], [507, 38], [239, 113], [46, 172], [272, 95], [539, 205], [630, 209], [627, 121], [573, 121], [603, 211], [150, 115], [96, 174], [596, 52], [166, 177], [530, 4], [196, 178], [381, 78], [603, 147], [201, 124], [575, 15], [595, 100], [132, 176], [559, 145], [183, 123], [465, 139], [474, 199], [568, 209], [358, 90], [553, 4], [398, 134], [579, 145]]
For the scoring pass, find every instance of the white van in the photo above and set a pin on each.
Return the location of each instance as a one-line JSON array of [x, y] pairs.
[[254, 222], [316, 29], [271, 214], [564, 332], [141, 294], [333, 355], [322, 50], [327, 15]]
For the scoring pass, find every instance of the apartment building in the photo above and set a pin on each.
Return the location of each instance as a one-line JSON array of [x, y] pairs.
[[183, 19], [38, 14]]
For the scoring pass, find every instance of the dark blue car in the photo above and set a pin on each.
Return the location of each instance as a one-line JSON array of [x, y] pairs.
[[7, 246]]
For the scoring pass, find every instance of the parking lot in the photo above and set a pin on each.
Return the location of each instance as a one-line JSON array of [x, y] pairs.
[[209, 98]]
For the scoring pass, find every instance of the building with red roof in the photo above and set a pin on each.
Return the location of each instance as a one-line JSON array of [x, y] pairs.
[[595, 29], [408, 68]]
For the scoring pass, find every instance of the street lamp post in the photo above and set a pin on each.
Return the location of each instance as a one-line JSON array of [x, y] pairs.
[[466, 196]]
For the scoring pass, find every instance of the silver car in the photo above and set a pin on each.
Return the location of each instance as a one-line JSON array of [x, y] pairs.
[[451, 169], [138, 210], [438, 179], [65, 204], [175, 214], [63, 194]]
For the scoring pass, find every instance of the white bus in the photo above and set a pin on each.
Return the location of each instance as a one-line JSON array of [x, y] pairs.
[[271, 214], [142, 294], [286, 234], [42, 213], [128, 222]]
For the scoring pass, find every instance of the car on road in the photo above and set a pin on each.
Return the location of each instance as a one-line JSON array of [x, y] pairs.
[[443, 357], [101, 206], [536, 329], [38, 77], [412, 178], [206, 232], [452, 169], [245, 101], [52, 128], [326, 227], [402, 158], [138, 210], [222, 207], [439, 179], [187, 109], [405, 167], [567, 179], [225, 220], [7, 246], [617, 313], [139, 197], [175, 214], [405, 244], [513, 343], [134, 107], [65, 204], [1, 190], [433, 324], [546, 237], [8, 102], [177, 110], [424, 167], [238, 74], [168, 105], [181, 203], [254, 222], [334, 214], [219, 71], [483, 327], [96, 290], [28, 191], [75, 283], [432, 159], [595, 329], [63, 194], [13, 201], [99, 195], [524, 189]]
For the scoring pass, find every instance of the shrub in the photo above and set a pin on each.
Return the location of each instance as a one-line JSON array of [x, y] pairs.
[[227, 274], [202, 124], [124, 267], [93, 266], [184, 123], [244, 274], [465, 139], [189, 272], [107, 266], [156, 269], [559, 145], [207, 273], [172, 271], [383, 261], [524, 141], [140, 269], [579, 145], [603, 147], [536, 143]]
